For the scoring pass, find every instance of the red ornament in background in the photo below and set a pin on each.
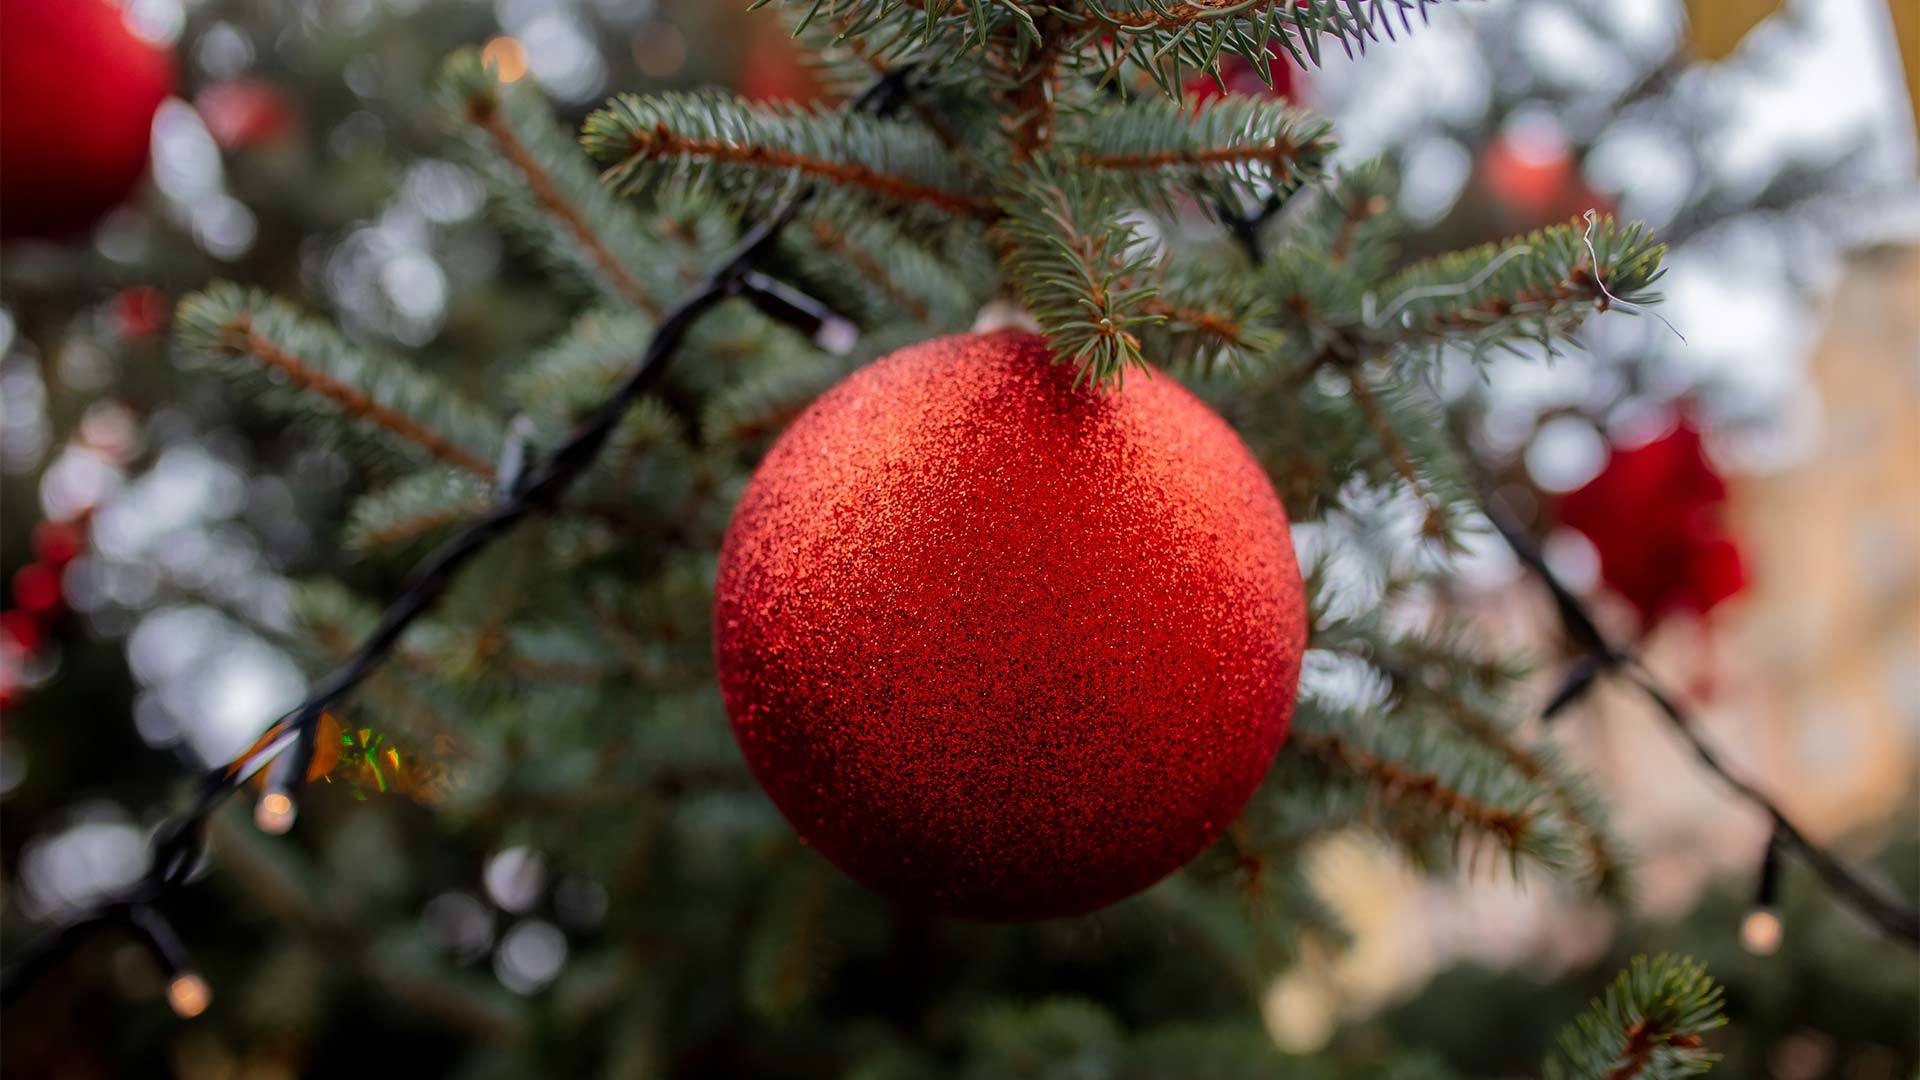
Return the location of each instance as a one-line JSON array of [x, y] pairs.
[[1237, 76], [1655, 515], [1002, 648], [773, 67], [37, 602], [139, 312], [245, 113], [1532, 185], [78, 91]]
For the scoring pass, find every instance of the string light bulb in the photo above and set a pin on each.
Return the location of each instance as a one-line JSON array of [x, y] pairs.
[[189, 995], [274, 813], [507, 57], [1762, 931]]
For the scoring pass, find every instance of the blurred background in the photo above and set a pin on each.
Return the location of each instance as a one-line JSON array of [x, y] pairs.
[[1736, 485]]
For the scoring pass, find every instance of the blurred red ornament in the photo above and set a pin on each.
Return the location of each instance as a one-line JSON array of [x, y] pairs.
[[1003, 648], [36, 589], [78, 91], [246, 112], [1534, 185], [57, 543], [1237, 76], [1655, 516], [773, 67], [139, 312], [22, 630]]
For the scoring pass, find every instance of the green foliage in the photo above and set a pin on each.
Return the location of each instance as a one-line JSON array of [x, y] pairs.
[[748, 154], [1441, 799], [1164, 39], [413, 508], [565, 378], [1239, 149], [1081, 269], [1648, 1026], [575, 658], [548, 193], [880, 277], [1536, 288], [1208, 321], [301, 368]]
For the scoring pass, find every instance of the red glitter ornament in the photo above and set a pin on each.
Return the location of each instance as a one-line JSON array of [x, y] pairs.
[[1002, 648], [78, 91]]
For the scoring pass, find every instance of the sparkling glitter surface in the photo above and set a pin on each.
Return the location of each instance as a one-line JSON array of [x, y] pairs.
[[1004, 649]]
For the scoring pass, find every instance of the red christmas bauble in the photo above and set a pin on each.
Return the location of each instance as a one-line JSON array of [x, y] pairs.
[[1655, 516], [78, 91], [1000, 647]]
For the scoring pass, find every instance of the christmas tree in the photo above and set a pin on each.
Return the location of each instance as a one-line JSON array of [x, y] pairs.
[[946, 439]]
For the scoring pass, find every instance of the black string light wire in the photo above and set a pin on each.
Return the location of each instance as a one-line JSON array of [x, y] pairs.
[[1599, 656], [528, 484]]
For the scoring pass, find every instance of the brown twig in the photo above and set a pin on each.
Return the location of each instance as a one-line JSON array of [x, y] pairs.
[[243, 339], [834, 241], [662, 141], [1642, 1039], [1279, 154], [485, 113], [1033, 94], [1184, 15], [1354, 215], [1396, 450], [1395, 780], [1215, 324], [418, 525], [1606, 865]]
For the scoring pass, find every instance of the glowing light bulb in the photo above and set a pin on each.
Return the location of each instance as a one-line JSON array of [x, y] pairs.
[[1761, 932], [189, 995], [274, 813], [507, 57]]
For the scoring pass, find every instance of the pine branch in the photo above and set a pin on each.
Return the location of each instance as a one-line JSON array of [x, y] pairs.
[[877, 275], [300, 367], [1078, 266], [1577, 804], [1209, 319], [759, 407], [1437, 522], [548, 192], [790, 950], [749, 152], [1420, 786], [1229, 149], [566, 376], [1650, 1025], [936, 32], [1166, 37], [1539, 287], [413, 507]]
